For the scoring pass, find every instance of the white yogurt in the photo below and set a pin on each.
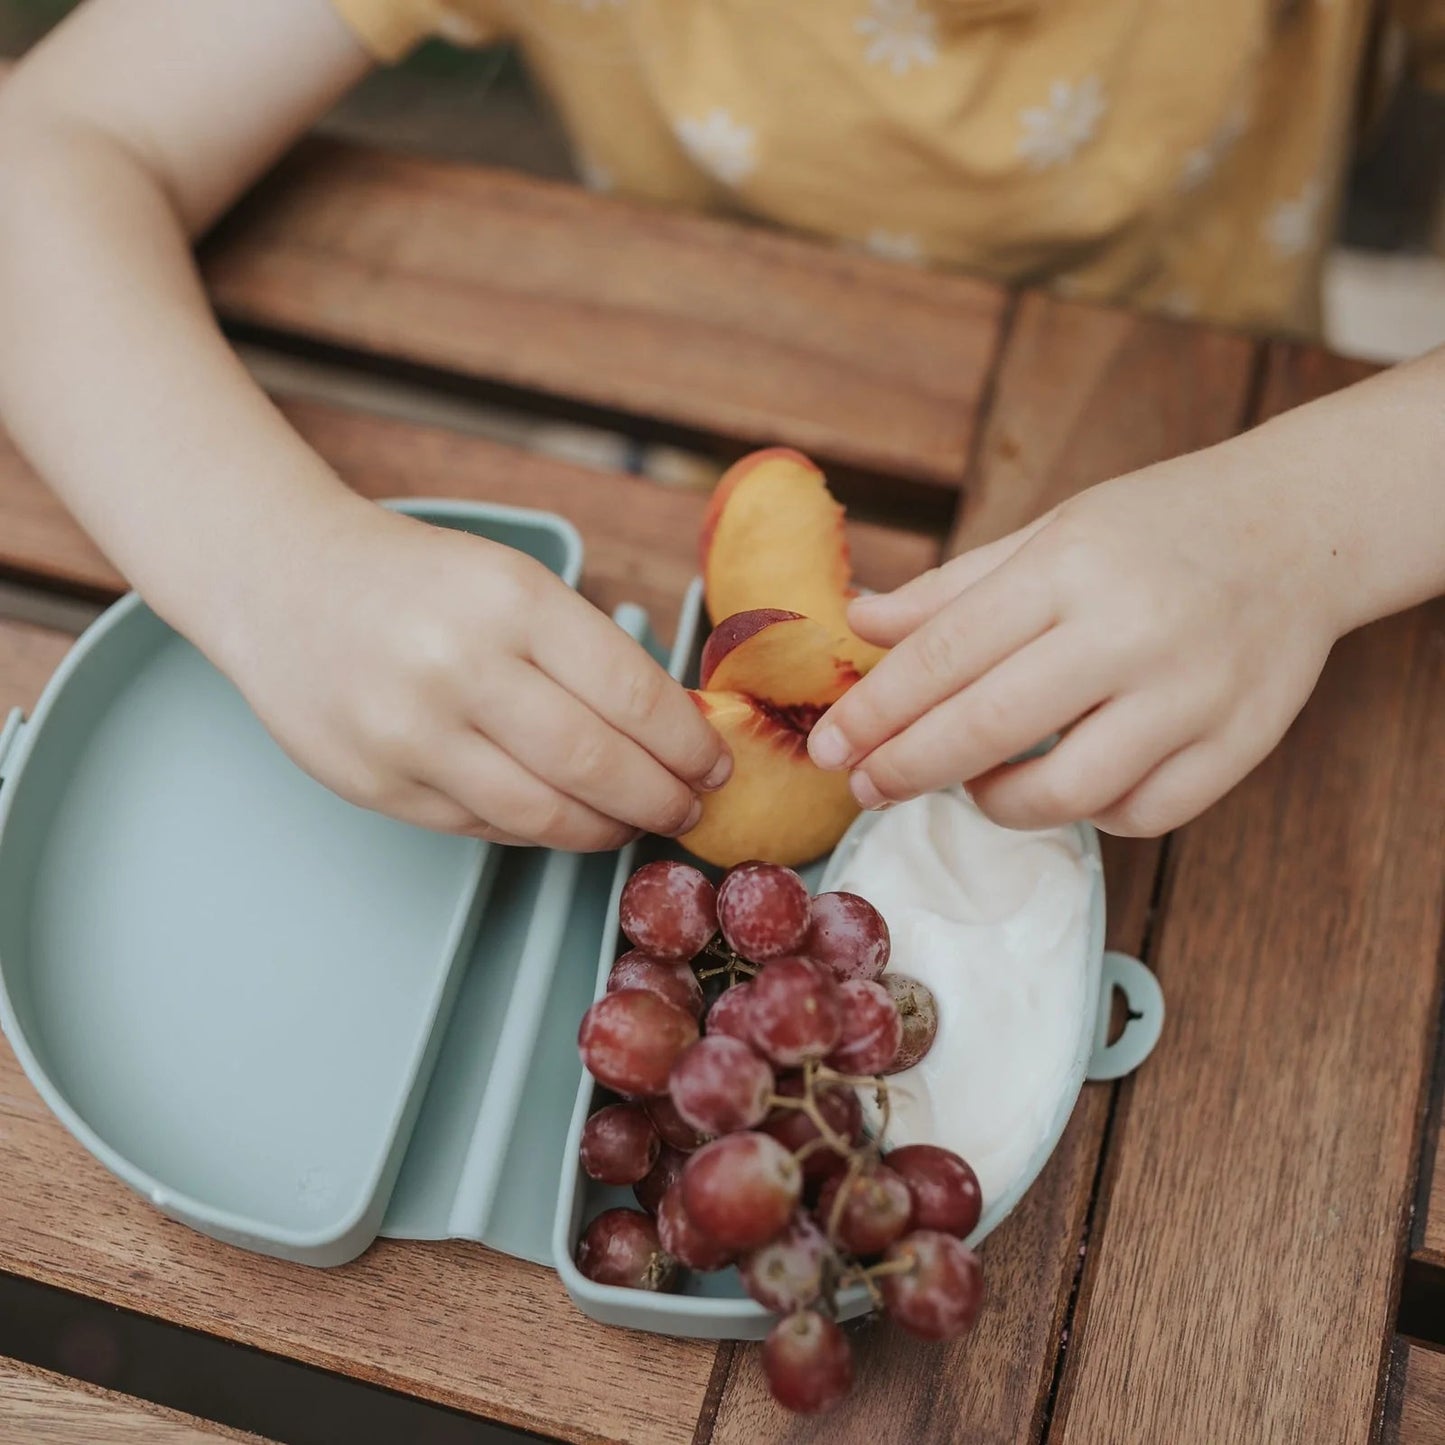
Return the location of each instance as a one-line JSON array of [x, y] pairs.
[[996, 923]]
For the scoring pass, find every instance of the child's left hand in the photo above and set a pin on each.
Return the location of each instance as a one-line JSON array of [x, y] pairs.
[[1170, 624]]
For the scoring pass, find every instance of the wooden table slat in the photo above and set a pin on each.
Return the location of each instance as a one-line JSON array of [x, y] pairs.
[[41, 1408], [998, 1380], [1415, 1413], [1241, 1284], [1085, 394], [640, 537], [742, 334]]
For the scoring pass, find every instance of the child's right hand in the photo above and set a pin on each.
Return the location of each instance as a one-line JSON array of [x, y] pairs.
[[457, 684]]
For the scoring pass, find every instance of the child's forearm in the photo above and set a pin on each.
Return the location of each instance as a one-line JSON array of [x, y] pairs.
[[1367, 469], [114, 379], [119, 387]]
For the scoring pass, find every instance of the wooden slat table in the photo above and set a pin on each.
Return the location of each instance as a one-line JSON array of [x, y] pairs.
[[38, 1407], [1216, 1252]]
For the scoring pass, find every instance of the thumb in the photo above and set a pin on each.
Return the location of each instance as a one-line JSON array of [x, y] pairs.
[[887, 618]]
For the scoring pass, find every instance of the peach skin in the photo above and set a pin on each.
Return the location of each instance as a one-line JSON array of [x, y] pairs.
[[767, 676], [773, 538]]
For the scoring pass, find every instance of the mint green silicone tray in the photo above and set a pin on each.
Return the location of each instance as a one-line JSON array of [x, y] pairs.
[[295, 1025]]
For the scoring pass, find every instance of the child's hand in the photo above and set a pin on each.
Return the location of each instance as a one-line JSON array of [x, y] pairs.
[[457, 684], [1170, 624]]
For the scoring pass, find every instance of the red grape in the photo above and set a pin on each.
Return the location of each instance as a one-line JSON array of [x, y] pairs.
[[729, 1013], [763, 910], [786, 1274], [945, 1191], [872, 1029], [669, 978], [847, 935], [874, 1213], [629, 1040], [619, 1144], [683, 1240], [794, 1011], [919, 1011], [720, 1085], [669, 910], [940, 1296], [794, 1130], [663, 1175], [741, 1189], [621, 1247], [808, 1363], [675, 1130]]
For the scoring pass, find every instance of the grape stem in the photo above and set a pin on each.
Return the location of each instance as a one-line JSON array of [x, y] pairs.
[[829, 1136], [731, 963], [840, 1200]]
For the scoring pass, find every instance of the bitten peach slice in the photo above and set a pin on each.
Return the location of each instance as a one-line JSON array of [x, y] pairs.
[[773, 538], [767, 677]]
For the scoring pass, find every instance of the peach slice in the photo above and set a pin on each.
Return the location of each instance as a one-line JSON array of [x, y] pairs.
[[767, 676], [773, 538]]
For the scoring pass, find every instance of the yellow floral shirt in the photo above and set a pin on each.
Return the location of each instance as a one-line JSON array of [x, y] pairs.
[[1183, 155]]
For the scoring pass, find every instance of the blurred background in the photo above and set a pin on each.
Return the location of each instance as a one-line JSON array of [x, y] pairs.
[[1385, 286]]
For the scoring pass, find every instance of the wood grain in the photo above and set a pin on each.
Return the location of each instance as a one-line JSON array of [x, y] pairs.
[[1432, 1248], [1255, 1201], [640, 538], [737, 333], [1164, 388], [41, 1408], [1418, 1416], [28, 655]]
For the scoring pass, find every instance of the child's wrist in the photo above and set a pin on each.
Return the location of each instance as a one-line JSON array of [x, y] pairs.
[[254, 573]]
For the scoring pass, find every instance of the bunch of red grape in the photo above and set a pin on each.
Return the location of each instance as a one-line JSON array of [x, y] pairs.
[[745, 1143]]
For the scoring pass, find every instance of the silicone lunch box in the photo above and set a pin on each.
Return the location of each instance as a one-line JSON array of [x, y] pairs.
[[295, 1025]]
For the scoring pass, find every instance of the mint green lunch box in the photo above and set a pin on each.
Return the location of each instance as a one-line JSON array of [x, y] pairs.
[[295, 1025]]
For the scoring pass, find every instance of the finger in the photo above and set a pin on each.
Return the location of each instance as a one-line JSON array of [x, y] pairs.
[[429, 808], [512, 805], [1000, 614], [567, 745], [1175, 792], [1098, 762], [1193, 779], [1028, 697], [614, 678], [888, 617]]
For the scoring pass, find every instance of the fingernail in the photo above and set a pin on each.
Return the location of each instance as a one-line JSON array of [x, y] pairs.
[[722, 770], [827, 747], [694, 813], [866, 795]]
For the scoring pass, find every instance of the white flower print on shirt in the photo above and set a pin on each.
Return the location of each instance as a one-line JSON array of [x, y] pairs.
[[895, 246], [593, 175], [1203, 161], [1291, 226], [720, 145], [1180, 303], [1054, 133], [900, 35]]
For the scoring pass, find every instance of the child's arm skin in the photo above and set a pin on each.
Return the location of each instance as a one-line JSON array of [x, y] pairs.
[[1171, 622], [431, 675]]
